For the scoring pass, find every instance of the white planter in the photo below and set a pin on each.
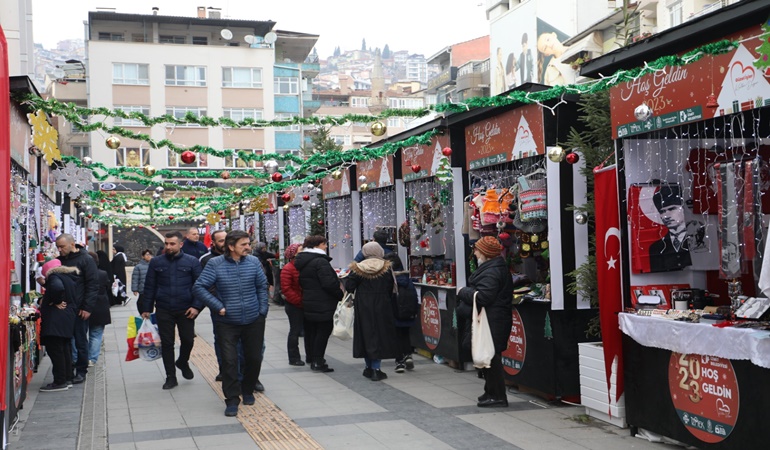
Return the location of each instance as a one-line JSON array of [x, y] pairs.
[[593, 386]]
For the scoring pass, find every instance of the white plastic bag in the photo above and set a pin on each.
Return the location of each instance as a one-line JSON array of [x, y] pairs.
[[147, 336], [482, 345], [343, 318], [119, 289]]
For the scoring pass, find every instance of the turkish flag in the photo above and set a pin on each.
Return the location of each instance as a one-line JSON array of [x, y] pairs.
[[608, 269], [207, 237]]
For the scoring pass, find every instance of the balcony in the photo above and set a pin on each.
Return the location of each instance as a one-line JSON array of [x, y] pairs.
[[446, 76], [706, 10]]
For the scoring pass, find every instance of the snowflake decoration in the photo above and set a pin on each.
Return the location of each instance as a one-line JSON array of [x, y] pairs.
[[299, 194], [44, 137], [72, 179]]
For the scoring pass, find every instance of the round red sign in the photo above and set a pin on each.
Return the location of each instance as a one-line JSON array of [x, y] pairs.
[[431, 320], [513, 356], [705, 395]]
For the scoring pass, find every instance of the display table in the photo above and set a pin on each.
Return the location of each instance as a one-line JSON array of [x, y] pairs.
[[701, 385], [437, 330]]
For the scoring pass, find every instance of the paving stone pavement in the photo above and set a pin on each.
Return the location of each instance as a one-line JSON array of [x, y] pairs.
[[432, 407]]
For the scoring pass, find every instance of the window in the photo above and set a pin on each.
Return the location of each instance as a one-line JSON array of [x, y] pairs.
[[136, 37], [286, 85], [119, 121], [405, 103], [185, 76], [81, 151], [239, 114], [286, 116], [359, 102], [395, 122], [288, 152], [132, 157], [168, 39], [675, 13], [179, 112], [106, 36], [233, 162], [130, 73], [200, 40], [74, 128], [242, 77], [201, 160], [340, 139]]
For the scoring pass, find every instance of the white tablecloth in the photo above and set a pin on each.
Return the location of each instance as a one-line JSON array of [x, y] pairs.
[[696, 338]]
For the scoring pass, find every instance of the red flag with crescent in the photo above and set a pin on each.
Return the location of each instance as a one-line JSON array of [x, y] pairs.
[[608, 270]]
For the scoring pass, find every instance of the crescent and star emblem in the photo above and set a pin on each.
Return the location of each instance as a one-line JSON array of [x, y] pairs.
[[611, 232]]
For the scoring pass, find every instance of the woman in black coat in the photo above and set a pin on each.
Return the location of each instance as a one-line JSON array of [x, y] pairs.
[[104, 264], [321, 292], [57, 314], [374, 330], [100, 316], [492, 285], [118, 269]]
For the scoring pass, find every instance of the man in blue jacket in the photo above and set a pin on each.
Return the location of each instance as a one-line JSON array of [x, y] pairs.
[[241, 302], [168, 290], [192, 244]]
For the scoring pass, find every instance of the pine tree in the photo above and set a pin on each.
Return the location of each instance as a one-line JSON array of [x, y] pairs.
[[763, 62], [321, 142], [444, 172], [363, 45], [386, 52], [317, 222]]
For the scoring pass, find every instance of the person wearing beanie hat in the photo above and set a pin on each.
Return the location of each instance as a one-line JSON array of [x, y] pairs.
[[492, 287], [57, 321], [292, 292], [374, 328], [118, 270]]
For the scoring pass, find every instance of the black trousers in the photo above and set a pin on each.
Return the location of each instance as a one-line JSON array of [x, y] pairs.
[[403, 343], [81, 345], [59, 349], [296, 319], [167, 322], [316, 339], [494, 386], [251, 337]]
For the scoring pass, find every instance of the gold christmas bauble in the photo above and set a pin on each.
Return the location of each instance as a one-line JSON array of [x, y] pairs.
[[285, 207], [363, 188], [378, 128], [238, 192], [337, 174], [149, 170], [112, 142], [191, 203], [556, 154], [212, 218]]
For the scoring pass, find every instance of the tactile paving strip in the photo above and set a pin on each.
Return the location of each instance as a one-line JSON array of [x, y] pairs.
[[264, 421]]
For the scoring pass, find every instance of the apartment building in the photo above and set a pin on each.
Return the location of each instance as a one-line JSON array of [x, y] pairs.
[[473, 56], [67, 83], [206, 65]]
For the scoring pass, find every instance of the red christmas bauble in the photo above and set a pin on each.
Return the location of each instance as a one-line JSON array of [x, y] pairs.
[[286, 197], [320, 222], [423, 244], [113, 193], [271, 211], [225, 175], [572, 158], [141, 226], [277, 177], [192, 197], [188, 157], [416, 168], [170, 217], [447, 151], [152, 226], [305, 197], [90, 216]]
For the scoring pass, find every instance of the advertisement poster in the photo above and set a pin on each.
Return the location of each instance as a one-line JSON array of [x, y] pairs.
[[513, 356], [378, 172], [506, 137], [431, 320], [704, 391], [336, 188], [680, 95], [422, 161]]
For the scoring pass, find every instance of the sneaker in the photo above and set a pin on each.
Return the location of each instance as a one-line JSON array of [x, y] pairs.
[[378, 375], [248, 399], [400, 368], [126, 301], [170, 383], [78, 379], [50, 387], [409, 362], [91, 363], [231, 411], [69, 384], [367, 372], [187, 372]]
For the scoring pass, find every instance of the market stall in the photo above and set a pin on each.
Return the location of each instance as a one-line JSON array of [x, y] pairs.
[[377, 191], [340, 215]]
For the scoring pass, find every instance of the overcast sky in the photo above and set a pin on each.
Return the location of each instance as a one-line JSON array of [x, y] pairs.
[[420, 26]]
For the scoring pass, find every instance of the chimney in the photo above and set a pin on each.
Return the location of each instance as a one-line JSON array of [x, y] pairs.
[[201, 12], [155, 10]]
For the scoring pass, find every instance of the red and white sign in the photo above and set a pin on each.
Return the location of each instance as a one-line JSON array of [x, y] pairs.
[[426, 157], [431, 320], [378, 172], [506, 137], [513, 356], [336, 188], [704, 391]]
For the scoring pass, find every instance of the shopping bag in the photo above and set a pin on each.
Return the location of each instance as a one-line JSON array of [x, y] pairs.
[[119, 289], [343, 318], [147, 335], [482, 345], [134, 323]]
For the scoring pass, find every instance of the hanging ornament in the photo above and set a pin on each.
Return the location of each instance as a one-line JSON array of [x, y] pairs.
[[285, 207], [362, 179], [188, 157], [170, 217], [192, 197], [306, 197], [581, 218], [572, 157], [276, 177], [711, 101], [238, 192], [271, 166], [156, 196], [44, 136], [320, 222], [556, 154], [87, 161], [112, 142], [160, 189], [160, 210], [337, 174], [447, 152], [72, 179], [286, 197], [363, 188], [642, 112], [191, 203], [130, 205], [149, 170], [225, 175], [416, 168], [378, 128]]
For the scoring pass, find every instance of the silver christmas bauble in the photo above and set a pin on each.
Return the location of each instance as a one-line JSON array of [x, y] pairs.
[[159, 189], [271, 166], [87, 161], [362, 179], [156, 196], [581, 218], [642, 112]]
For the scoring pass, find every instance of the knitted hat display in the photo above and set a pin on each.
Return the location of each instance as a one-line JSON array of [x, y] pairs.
[[489, 246], [291, 251]]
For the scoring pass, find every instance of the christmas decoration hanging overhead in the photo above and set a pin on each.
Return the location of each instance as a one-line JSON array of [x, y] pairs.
[[556, 154], [378, 128], [362, 179], [572, 157], [642, 112], [44, 137], [87, 161], [72, 180], [112, 142], [444, 172], [188, 157], [581, 218], [277, 177], [446, 151], [271, 167], [337, 174], [149, 171]]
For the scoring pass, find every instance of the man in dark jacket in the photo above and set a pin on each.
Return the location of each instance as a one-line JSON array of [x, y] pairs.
[[265, 257], [73, 255], [192, 244], [168, 290], [242, 304], [381, 237]]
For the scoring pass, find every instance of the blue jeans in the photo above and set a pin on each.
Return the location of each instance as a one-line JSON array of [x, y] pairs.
[[95, 335], [374, 364]]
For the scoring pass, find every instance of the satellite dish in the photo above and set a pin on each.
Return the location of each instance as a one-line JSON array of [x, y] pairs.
[[249, 39], [58, 73], [226, 34], [271, 37]]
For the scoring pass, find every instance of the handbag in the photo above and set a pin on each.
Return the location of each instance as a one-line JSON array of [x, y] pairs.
[[118, 289], [343, 318], [482, 345]]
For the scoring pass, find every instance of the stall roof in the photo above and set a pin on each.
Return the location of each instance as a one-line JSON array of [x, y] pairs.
[[691, 34]]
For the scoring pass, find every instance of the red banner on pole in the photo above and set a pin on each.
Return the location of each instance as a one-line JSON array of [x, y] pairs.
[[608, 270], [5, 205]]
